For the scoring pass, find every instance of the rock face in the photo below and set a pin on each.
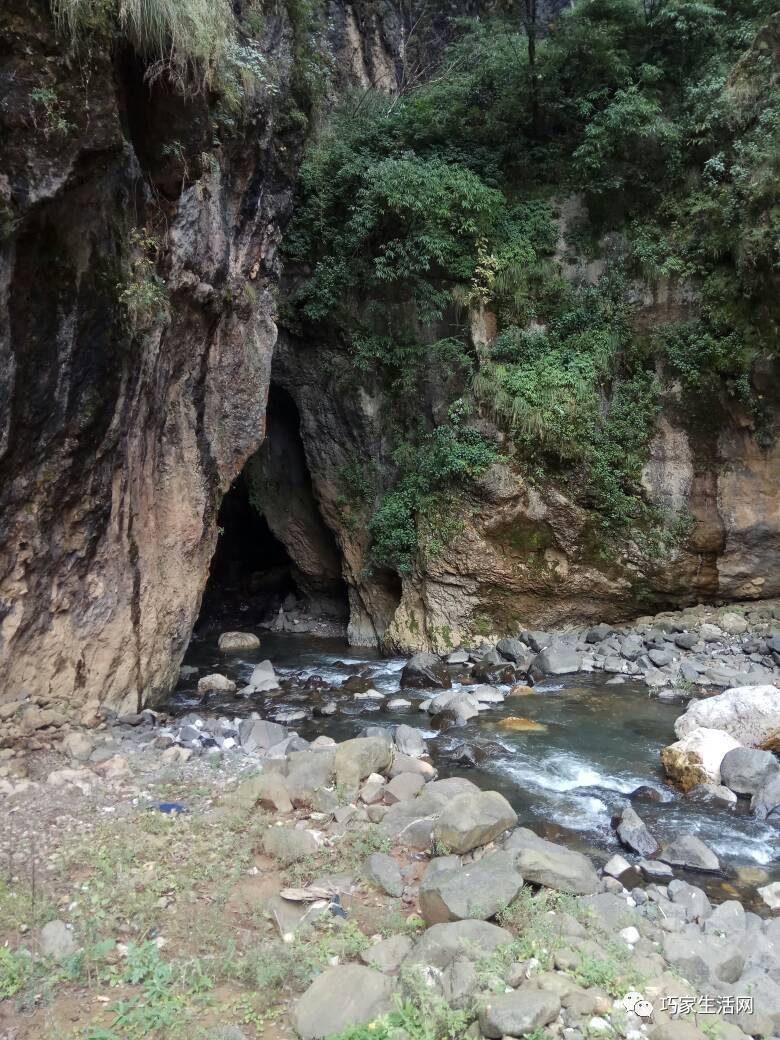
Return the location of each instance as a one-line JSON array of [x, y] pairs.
[[117, 439], [519, 555], [750, 714], [121, 429]]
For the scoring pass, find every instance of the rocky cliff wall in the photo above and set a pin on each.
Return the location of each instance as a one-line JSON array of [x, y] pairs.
[[138, 264], [521, 553]]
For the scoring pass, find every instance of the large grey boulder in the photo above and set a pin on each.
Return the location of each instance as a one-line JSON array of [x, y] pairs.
[[451, 891], [57, 940], [410, 741], [766, 800], [745, 770], [388, 954], [347, 995], [750, 714], [459, 709], [557, 660], [514, 650], [634, 834], [425, 670], [704, 959], [308, 773], [544, 863], [236, 642], [518, 1013], [385, 873], [259, 734], [288, 844], [693, 900], [691, 852], [442, 944], [358, 757], [473, 819]]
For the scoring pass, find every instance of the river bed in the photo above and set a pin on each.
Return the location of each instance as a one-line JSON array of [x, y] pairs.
[[597, 744]]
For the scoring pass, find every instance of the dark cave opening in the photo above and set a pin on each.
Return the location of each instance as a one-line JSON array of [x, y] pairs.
[[276, 564]]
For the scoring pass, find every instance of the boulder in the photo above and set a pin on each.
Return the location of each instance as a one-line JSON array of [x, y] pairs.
[[403, 787], [517, 1013], [388, 954], [442, 944], [696, 758], [557, 660], [691, 852], [343, 996], [771, 895], [266, 789], [235, 642], [712, 793], [215, 683], [308, 773], [383, 871], [406, 764], [77, 745], [458, 657], [288, 844], [734, 624], [57, 940], [514, 650], [451, 891], [766, 800], [358, 757], [633, 833], [459, 709], [745, 770], [544, 863], [486, 695], [263, 678], [473, 819], [260, 734], [425, 670], [692, 899], [749, 714], [704, 959], [410, 741]]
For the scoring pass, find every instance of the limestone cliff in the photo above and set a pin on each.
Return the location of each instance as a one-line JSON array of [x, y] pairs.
[[138, 259]]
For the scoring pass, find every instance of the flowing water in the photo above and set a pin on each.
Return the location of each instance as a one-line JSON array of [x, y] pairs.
[[597, 743]]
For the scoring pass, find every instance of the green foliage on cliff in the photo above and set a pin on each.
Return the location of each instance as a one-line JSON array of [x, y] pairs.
[[431, 467], [663, 119]]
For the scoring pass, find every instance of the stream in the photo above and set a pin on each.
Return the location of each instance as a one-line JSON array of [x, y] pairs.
[[597, 744]]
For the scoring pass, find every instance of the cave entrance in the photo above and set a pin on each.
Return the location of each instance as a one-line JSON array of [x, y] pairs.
[[277, 564]]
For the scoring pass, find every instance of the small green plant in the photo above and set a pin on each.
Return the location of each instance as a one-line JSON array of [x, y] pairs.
[[142, 294], [15, 971], [47, 112]]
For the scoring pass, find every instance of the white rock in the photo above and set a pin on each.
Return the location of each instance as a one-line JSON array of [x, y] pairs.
[[630, 935], [599, 1025], [215, 683], [750, 714], [263, 678], [771, 895], [616, 866], [696, 758], [235, 642]]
